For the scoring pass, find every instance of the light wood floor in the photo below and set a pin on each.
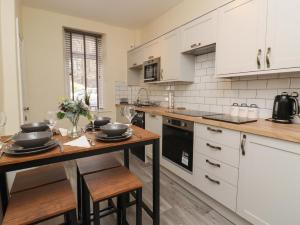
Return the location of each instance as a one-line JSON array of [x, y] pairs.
[[178, 206]]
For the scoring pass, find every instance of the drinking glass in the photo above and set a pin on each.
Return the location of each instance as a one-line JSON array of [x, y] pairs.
[[3, 120], [130, 113], [52, 119], [95, 114]]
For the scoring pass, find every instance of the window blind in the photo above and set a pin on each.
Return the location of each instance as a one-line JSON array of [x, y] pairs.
[[84, 65]]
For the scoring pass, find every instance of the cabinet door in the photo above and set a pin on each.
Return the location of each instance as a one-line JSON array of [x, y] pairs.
[[200, 32], [170, 56], [152, 50], [135, 58], [283, 34], [153, 123], [241, 37], [269, 182]]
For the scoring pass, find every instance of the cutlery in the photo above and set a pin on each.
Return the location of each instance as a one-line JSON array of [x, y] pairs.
[[7, 140], [91, 142], [61, 147]]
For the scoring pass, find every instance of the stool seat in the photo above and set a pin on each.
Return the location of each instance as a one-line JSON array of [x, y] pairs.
[[110, 183], [37, 177], [41, 203], [96, 163]]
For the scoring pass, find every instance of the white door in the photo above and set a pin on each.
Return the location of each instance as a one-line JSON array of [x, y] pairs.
[[241, 37], [170, 56], [269, 182], [200, 32], [152, 50], [153, 123], [283, 34]]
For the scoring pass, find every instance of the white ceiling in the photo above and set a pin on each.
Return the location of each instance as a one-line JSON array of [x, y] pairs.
[[124, 13]]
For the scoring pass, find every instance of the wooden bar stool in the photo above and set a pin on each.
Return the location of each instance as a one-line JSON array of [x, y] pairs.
[[108, 184], [91, 165], [37, 177], [42, 203]]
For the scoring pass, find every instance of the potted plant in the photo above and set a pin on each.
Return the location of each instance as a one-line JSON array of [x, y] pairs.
[[73, 109]]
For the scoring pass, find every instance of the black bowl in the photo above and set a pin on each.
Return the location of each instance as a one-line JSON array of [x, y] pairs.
[[101, 121], [34, 127], [32, 139], [112, 129]]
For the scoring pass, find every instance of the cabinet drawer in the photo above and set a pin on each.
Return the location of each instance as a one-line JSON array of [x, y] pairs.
[[219, 135], [217, 151], [217, 168], [219, 190]]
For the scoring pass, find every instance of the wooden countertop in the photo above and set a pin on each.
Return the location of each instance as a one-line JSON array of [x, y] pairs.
[[287, 132]]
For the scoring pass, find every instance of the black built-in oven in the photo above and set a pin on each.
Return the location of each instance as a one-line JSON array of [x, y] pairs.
[[178, 138], [152, 70]]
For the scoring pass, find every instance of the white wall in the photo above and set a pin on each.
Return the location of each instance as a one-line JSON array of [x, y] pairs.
[[178, 15], [44, 61], [9, 84]]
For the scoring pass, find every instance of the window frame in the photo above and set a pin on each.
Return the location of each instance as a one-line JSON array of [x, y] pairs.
[[99, 74]]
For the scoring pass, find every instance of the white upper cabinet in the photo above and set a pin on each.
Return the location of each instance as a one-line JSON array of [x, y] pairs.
[[269, 182], [258, 37], [240, 37], [200, 32], [174, 65], [135, 58], [152, 50], [283, 34]]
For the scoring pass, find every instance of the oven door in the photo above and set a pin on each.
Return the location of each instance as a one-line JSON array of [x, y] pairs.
[[178, 146]]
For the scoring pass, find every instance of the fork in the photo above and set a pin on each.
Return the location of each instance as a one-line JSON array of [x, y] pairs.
[[61, 147]]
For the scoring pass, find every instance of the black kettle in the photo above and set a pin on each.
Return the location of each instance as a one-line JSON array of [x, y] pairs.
[[285, 107]]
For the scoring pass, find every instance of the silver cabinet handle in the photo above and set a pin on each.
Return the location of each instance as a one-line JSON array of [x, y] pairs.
[[258, 58], [213, 164], [212, 180], [268, 57], [243, 145], [153, 115], [193, 45], [214, 130], [151, 57], [213, 147]]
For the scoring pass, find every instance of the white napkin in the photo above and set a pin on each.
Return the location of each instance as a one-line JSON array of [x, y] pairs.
[[79, 142]]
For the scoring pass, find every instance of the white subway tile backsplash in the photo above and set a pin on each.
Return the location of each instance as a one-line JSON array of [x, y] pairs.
[[209, 93]]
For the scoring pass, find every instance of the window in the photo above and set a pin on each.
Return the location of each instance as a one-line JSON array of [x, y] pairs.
[[83, 65]]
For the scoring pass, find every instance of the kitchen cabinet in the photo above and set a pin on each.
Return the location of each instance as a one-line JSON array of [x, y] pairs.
[[269, 181], [283, 35], [152, 50], [216, 162], [174, 65], [135, 58], [258, 37], [240, 37], [153, 123], [200, 32]]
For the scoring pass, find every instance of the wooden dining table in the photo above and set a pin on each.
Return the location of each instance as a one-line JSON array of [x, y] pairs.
[[140, 137]]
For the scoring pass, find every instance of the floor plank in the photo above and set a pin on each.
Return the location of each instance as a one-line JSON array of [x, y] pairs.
[[178, 206]]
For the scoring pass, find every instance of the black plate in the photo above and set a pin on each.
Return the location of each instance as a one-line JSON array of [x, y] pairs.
[[102, 135], [114, 129], [18, 148], [114, 139], [33, 139], [22, 153]]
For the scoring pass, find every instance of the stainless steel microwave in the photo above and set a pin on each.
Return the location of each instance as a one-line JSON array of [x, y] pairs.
[[152, 70]]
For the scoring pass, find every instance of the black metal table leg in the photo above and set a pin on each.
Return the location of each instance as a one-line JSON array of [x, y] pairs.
[[3, 192], [126, 158], [126, 196], [156, 182], [79, 195], [139, 199]]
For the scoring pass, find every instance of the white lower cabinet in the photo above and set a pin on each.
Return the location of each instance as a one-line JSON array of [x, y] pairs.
[[216, 161], [153, 123], [269, 181]]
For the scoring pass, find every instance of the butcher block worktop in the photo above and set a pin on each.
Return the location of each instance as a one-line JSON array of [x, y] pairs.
[[287, 132]]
